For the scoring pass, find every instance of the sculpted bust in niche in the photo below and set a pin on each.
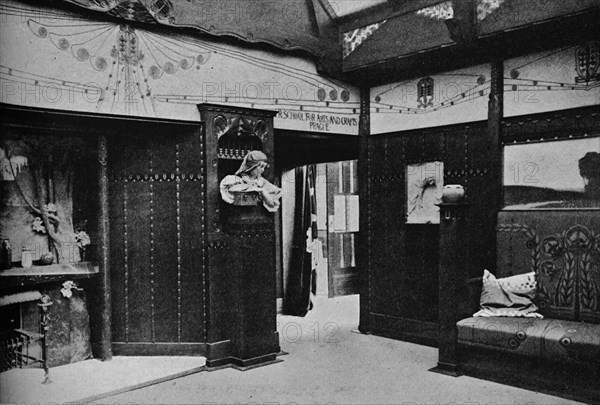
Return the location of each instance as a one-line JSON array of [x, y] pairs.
[[248, 179]]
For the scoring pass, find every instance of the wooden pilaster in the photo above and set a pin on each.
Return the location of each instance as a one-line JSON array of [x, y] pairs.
[[364, 131], [105, 344], [451, 275], [495, 116]]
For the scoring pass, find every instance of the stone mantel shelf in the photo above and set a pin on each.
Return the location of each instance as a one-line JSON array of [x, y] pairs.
[[20, 277]]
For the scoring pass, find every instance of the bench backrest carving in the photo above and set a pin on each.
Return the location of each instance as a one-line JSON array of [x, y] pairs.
[[563, 249]]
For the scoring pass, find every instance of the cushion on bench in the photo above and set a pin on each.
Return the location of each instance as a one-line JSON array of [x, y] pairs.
[[509, 296], [545, 339]]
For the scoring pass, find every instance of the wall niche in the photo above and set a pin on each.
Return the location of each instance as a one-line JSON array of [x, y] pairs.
[[45, 182]]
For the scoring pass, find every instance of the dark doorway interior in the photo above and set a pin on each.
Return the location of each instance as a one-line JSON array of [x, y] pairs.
[[297, 149]]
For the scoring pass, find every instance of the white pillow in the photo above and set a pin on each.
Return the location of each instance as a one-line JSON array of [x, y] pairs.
[[509, 296]]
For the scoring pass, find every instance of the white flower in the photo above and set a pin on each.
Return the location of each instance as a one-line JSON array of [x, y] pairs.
[[82, 239], [68, 287], [67, 293], [38, 225], [51, 208]]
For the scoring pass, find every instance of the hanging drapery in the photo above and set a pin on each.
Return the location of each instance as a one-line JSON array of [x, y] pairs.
[[301, 280]]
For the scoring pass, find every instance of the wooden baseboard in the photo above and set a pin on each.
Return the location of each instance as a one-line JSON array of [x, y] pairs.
[[218, 350], [159, 349], [242, 364], [217, 354], [248, 364], [452, 370], [408, 330]]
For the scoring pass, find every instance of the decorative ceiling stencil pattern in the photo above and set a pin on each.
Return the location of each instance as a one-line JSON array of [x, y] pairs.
[[325, 96], [587, 61], [129, 56], [434, 100], [353, 39], [487, 7], [121, 68], [584, 61], [441, 11], [425, 96]]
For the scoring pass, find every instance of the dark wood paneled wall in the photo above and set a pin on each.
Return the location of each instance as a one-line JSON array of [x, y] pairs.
[[399, 295], [184, 278], [556, 125], [402, 289], [156, 198]]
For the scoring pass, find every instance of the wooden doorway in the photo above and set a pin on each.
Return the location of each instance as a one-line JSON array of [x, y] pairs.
[[156, 186]]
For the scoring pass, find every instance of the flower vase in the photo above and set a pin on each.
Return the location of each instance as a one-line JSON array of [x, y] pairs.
[[453, 194], [27, 258]]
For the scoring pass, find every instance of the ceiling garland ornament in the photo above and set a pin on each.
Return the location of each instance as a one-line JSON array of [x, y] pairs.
[[487, 7], [440, 11], [353, 39]]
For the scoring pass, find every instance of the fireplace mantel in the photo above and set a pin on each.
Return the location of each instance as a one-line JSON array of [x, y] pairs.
[[20, 277]]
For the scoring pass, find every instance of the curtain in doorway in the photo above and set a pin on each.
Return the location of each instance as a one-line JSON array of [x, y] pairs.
[[301, 280]]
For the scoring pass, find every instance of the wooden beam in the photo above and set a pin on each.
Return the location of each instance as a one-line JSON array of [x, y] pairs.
[[470, 51], [462, 26]]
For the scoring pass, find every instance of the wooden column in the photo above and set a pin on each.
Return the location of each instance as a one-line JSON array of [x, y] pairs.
[[451, 275], [364, 131], [105, 344]]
